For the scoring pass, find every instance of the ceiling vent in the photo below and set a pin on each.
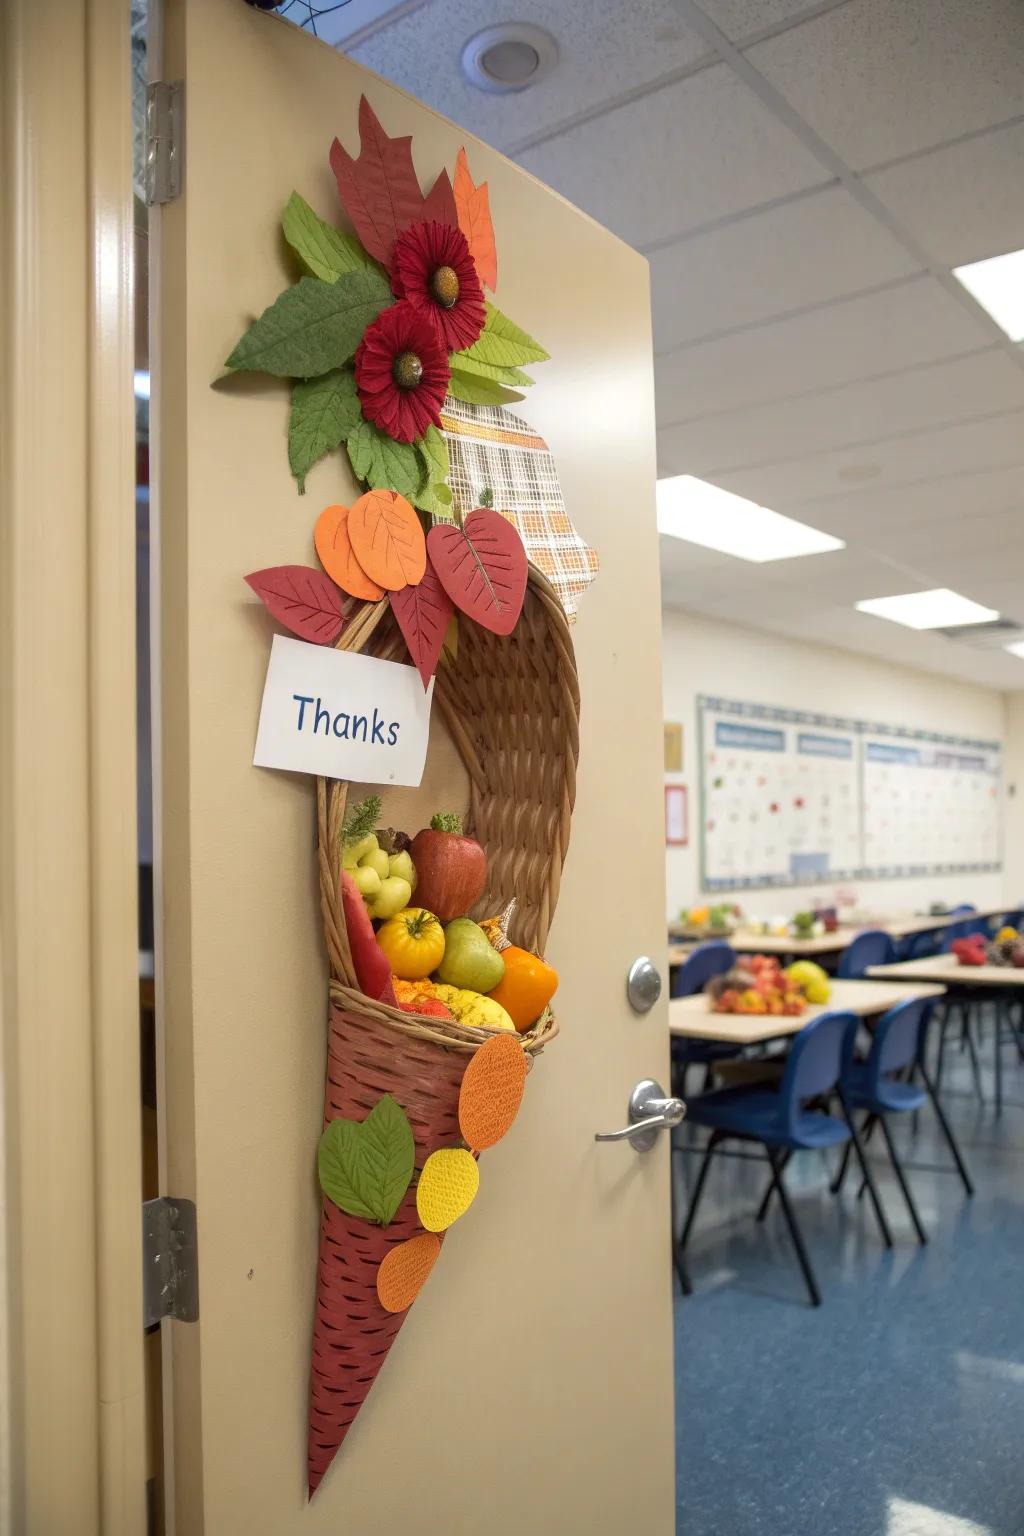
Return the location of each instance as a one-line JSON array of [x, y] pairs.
[[992, 636], [509, 57]]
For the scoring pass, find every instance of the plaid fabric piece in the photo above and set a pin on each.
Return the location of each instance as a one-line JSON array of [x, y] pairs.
[[488, 447]]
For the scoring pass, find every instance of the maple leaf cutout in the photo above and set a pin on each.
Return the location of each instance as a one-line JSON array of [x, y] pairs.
[[474, 210], [439, 203], [379, 191]]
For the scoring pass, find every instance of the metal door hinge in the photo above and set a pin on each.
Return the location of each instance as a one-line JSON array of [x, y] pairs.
[[165, 141], [170, 1267]]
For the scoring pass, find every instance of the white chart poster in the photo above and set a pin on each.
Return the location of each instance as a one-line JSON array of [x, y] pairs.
[[780, 803], [930, 805], [793, 798]]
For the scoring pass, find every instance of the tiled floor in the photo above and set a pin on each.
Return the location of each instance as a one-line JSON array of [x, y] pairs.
[[897, 1408]]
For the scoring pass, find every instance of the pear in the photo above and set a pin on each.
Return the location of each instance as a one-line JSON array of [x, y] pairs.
[[470, 960]]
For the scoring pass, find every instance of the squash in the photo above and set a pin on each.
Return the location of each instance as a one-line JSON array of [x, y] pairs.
[[473, 1008]]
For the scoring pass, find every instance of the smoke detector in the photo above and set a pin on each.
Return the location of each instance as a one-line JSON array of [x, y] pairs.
[[509, 57]]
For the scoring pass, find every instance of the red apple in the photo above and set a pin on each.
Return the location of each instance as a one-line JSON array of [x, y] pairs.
[[451, 870]]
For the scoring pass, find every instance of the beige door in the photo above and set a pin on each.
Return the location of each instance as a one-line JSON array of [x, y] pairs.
[[531, 1388]]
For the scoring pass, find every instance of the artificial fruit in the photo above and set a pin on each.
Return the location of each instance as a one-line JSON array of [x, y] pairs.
[[470, 961], [451, 869], [413, 941], [394, 894]]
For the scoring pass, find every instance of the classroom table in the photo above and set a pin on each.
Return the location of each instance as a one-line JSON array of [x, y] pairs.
[[690, 1018], [1006, 979], [904, 927]]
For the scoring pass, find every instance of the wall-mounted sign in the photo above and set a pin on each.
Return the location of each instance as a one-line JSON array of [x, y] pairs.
[[676, 831], [673, 747], [342, 715]]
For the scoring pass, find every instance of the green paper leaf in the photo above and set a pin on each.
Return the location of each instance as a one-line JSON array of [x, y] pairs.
[[434, 452], [503, 343], [383, 463], [466, 364], [475, 390], [365, 1168], [321, 248], [324, 411], [313, 326], [434, 497]]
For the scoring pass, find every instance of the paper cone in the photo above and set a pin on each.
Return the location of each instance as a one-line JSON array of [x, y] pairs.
[[352, 1333]]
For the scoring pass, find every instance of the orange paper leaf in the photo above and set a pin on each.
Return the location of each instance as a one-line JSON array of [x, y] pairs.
[[387, 539], [334, 546], [404, 1271], [473, 206], [492, 1091]]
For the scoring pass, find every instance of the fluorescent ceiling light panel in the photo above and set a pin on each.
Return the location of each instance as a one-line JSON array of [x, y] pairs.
[[701, 513], [998, 286], [940, 609], [1016, 649]]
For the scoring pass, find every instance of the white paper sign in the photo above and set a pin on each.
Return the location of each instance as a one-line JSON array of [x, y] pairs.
[[342, 715]]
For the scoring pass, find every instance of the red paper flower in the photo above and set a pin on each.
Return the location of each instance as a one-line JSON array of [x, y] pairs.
[[401, 373], [433, 270]]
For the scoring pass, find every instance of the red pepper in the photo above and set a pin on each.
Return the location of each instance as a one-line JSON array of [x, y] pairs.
[[373, 968]]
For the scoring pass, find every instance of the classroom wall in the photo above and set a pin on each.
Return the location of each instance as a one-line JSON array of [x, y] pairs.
[[705, 656], [1014, 765]]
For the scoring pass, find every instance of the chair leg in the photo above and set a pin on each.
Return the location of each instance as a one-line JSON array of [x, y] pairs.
[[837, 1182], [794, 1231], [709, 1152], [686, 1284], [972, 1048], [762, 1210], [943, 1026], [868, 1179], [709, 1078], [999, 1059], [869, 1131], [922, 1235], [946, 1128]]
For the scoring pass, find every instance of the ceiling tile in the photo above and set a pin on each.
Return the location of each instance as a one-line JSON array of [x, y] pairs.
[[805, 252], [878, 79], [678, 158], [944, 392], [853, 339], [998, 440], [882, 511], [605, 49], [963, 202]]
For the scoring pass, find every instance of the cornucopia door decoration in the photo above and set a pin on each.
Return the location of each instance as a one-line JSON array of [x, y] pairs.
[[459, 557]]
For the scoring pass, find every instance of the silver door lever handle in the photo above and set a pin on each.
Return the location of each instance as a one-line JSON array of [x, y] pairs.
[[649, 1112]]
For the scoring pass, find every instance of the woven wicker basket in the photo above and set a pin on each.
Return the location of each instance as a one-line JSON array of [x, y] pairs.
[[511, 706]]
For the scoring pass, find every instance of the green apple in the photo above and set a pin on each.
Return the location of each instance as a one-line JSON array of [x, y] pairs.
[[394, 894], [368, 882], [470, 959], [401, 864], [376, 859]]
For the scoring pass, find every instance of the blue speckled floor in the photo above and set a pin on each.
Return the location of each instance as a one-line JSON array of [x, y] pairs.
[[897, 1408]]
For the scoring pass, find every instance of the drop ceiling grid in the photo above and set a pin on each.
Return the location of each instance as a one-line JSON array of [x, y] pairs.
[[813, 187]]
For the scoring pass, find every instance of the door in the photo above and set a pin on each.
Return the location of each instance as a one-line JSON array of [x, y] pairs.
[[531, 1387]]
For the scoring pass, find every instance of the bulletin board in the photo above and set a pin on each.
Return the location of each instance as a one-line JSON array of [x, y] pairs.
[[794, 798]]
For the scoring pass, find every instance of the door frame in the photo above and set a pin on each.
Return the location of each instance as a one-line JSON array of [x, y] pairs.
[[71, 1322]]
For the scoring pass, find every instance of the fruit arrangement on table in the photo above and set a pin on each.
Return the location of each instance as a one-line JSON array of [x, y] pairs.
[[431, 958], [761, 985], [1006, 949], [708, 921]]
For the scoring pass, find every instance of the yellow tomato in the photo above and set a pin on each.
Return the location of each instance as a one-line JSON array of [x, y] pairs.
[[413, 941]]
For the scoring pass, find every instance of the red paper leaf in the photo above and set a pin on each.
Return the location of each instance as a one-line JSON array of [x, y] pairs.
[[482, 566], [439, 202], [474, 210], [423, 613], [379, 191], [304, 600]]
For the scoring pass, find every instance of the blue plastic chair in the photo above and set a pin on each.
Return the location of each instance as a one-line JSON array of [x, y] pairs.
[[874, 1086], [872, 946], [782, 1121], [713, 958]]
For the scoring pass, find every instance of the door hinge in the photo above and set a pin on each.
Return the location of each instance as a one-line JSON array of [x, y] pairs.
[[170, 1263], [165, 140]]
